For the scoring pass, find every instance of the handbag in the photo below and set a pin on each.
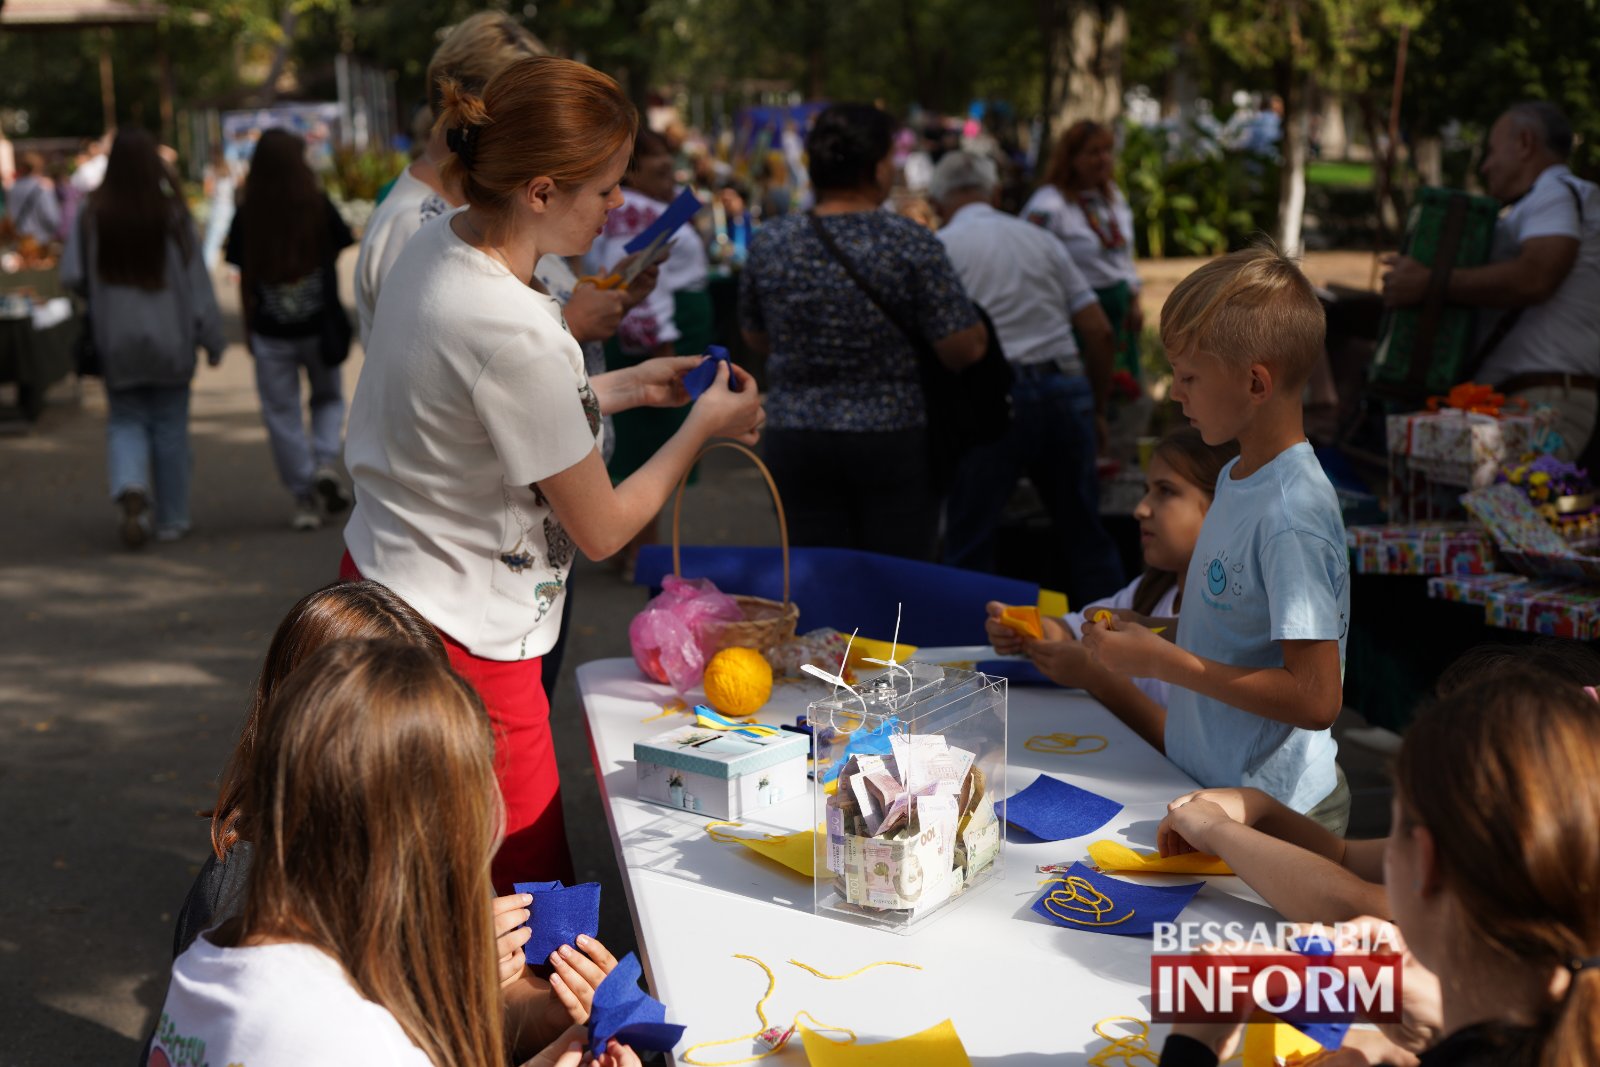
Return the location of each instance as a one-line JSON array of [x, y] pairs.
[[85, 356], [333, 340], [966, 408]]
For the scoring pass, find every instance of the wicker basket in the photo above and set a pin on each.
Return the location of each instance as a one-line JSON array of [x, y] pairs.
[[766, 622]]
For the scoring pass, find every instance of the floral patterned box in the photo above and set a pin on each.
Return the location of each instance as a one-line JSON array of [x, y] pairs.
[[1462, 448], [1472, 588], [1551, 607], [1422, 548]]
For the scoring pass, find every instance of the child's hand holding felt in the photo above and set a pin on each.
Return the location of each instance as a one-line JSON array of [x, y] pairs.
[[576, 972], [559, 915], [510, 934], [622, 1010], [1129, 649], [568, 1051], [1192, 827], [1007, 639]]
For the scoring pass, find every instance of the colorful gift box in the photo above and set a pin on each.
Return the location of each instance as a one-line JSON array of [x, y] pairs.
[[1462, 448], [1472, 588], [724, 774], [1524, 538], [1549, 607], [1424, 548]]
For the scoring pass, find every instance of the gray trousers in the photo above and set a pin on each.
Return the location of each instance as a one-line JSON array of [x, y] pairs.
[[279, 361]]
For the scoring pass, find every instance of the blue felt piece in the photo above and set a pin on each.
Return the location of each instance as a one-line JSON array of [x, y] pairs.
[[1053, 810], [557, 916], [624, 1011], [678, 212], [1328, 1035], [1139, 907], [1014, 671], [699, 379]]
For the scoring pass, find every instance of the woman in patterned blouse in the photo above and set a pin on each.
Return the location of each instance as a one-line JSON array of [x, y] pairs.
[[847, 421]]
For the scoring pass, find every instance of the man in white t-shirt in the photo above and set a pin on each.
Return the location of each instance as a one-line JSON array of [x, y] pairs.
[[1023, 277], [1541, 291]]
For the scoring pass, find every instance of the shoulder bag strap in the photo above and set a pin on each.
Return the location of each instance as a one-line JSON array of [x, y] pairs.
[[918, 344], [1508, 321]]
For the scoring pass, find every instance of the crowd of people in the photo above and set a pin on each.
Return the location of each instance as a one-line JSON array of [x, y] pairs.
[[521, 402]]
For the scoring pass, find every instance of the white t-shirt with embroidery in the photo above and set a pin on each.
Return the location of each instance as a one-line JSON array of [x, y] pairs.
[[481, 393], [273, 1006], [1101, 266], [1561, 335], [410, 203]]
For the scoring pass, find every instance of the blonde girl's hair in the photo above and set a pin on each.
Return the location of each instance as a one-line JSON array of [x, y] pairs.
[[539, 117], [370, 800], [477, 49]]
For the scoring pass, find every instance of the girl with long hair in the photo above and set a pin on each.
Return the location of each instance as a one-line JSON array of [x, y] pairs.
[[1491, 870], [367, 933], [285, 239], [1179, 485], [134, 255], [1081, 204], [473, 434]]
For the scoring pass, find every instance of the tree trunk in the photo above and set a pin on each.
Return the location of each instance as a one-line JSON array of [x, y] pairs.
[[1292, 178], [1335, 140], [287, 23], [1084, 65]]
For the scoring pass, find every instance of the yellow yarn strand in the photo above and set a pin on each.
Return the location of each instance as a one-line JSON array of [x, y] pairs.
[[858, 970], [821, 1027], [1064, 744], [1124, 1047], [1079, 891]]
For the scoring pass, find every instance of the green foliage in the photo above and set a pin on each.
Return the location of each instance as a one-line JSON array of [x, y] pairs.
[[359, 175], [1194, 203], [1339, 174]]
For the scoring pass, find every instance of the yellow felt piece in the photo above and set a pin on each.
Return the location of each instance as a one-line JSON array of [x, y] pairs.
[[1114, 856], [865, 648], [937, 1046], [795, 851], [1276, 1044], [1024, 620], [1053, 604]]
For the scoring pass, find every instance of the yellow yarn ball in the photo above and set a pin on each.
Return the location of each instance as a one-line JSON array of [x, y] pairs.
[[738, 681]]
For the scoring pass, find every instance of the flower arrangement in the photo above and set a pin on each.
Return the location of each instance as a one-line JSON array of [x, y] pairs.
[[1562, 492]]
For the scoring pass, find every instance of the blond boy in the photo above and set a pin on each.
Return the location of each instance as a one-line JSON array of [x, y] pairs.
[[1257, 660]]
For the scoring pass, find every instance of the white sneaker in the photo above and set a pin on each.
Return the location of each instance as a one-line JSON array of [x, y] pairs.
[[306, 515], [330, 487]]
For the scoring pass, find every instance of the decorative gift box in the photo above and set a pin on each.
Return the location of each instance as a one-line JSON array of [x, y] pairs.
[[1461, 448], [1524, 538], [1424, 548], [1550, 607], [1472, 588], [722, 773]]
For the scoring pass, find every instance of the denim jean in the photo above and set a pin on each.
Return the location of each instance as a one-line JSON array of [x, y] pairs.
[[278, 364], [147, 448], [1052, 441]]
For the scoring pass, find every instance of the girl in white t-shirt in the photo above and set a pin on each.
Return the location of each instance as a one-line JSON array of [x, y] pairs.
[[361, 941], [473, 438], [1179, 484]]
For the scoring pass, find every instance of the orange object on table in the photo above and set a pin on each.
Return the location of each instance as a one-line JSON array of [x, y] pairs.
[[1024, 620]]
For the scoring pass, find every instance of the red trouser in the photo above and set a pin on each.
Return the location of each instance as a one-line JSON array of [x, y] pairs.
[[535, 847]]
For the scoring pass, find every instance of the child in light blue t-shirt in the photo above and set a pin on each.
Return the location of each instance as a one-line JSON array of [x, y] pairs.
[[1256, 661]]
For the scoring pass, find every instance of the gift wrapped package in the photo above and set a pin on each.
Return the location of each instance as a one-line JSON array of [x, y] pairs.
[[1471, 588], [1422, 548], [1550, 607], [1461, 448]]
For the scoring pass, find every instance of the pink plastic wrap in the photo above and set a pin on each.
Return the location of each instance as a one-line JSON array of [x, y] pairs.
[[668, 637]]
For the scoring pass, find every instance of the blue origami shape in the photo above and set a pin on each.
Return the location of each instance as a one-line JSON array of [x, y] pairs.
[[623, 1011], [700, 379], [1014, 671], [557, 916], [1330, 1035], [1053, 810], [680, 211], [1127, 909], [863, 743]]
